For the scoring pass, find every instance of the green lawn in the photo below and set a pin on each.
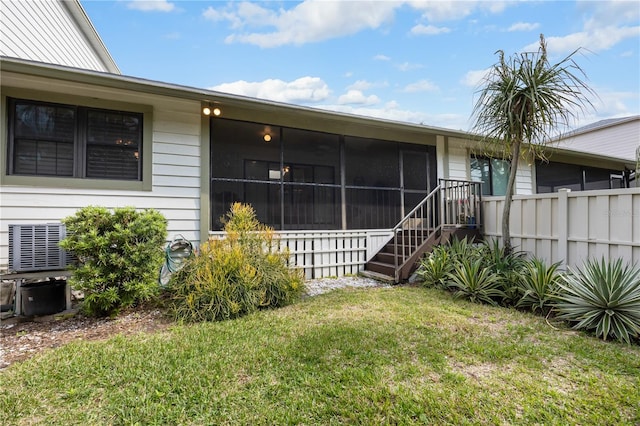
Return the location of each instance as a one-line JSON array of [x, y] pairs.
[[377, 356]]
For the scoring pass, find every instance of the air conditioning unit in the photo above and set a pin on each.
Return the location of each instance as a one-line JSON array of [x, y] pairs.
[[35, 247]]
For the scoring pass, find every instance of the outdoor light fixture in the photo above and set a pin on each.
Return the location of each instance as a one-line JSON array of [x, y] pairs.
[[267, 137], [208, 110]]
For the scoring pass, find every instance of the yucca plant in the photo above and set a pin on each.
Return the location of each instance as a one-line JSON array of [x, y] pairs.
[[538, 285], [470, 280], [435, 266], [604, 297]]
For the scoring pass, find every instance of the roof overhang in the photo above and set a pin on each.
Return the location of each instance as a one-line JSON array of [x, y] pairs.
[[140, 85]]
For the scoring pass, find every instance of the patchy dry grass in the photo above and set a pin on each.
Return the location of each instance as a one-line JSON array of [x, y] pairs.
[[377, 356]]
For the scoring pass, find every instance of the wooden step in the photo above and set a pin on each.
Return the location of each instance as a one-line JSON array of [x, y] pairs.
[[385, 257], [381, 268], [378, 277]]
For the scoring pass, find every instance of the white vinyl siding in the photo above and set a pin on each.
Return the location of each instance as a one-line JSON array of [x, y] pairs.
[[175, 189], [524, 179], [44, 31], [458, 159], [619, 140]]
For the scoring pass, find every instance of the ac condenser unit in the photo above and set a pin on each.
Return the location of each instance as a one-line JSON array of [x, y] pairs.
[[35, 247]]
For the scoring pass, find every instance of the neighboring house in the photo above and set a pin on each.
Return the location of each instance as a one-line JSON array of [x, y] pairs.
[[616, 138], [76, 134], [56, 32]]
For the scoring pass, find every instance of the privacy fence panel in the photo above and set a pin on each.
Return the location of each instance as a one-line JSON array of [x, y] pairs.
[[571, 226]]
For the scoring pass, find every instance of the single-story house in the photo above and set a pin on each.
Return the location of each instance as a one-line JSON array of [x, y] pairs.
[[75, 132]]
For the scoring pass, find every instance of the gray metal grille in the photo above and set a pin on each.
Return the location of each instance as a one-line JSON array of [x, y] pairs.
[[35, 247]]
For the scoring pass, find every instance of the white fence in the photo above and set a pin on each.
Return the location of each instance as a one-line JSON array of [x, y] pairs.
[[571, 226], [324, 254]]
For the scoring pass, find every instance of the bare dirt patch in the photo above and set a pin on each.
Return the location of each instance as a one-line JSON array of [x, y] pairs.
[[22, 340]]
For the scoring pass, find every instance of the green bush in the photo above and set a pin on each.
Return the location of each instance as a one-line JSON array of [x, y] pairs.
[[603, 297], [119, 255], [538, 286], [234, 276]]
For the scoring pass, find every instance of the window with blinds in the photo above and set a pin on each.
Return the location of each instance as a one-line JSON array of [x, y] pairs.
[[47, 139]]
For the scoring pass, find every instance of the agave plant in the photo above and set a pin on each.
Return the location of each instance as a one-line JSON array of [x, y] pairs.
[[470, 280], [434, 268], [604, 297], [507, 265], [538, 284]]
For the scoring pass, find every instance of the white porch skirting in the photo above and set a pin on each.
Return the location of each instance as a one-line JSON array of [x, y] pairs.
[[323, 254]]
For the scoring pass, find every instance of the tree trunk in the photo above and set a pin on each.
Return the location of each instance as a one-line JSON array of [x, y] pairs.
[[508, 197]]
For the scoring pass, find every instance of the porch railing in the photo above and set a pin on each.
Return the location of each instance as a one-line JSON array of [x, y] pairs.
[[453, 203]]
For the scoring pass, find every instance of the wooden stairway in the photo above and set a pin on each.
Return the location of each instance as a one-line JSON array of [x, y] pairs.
[[429, 224]]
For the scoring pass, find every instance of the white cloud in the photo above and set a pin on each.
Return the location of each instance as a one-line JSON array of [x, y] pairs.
[[151, 5], [429, 30], [357, 97], [523, 26], [391, 111], [309, 21], [434, 11], [606, 13], [613, 104], [420, 86], [381, 58], [408, 66], [360, 85], [301, 90], [474, 77], [596, 40]]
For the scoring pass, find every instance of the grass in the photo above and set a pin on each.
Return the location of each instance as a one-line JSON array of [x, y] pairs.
[[377, 356]]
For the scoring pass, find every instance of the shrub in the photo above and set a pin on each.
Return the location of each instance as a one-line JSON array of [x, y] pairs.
[[434, 267], [538, 285], [604, 297], [236, 275], [470, 280], [119, 254]]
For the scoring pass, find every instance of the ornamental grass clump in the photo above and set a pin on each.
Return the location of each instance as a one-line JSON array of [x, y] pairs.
[[235, 275], [119, 255], [603, 297]]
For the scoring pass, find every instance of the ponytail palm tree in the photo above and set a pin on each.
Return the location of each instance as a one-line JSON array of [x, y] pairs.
[[523, 102]]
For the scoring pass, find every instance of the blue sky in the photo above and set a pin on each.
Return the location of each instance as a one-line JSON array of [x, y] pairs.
[[414, 61]]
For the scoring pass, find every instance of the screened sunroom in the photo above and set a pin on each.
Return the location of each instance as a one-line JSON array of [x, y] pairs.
[[299, 179]]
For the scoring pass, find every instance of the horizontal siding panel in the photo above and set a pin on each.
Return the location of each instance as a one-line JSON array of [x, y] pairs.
[[169, 148], [181, 181], [22, 202], [176, 138], [167, 170], [176, 160], [176, 192]]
